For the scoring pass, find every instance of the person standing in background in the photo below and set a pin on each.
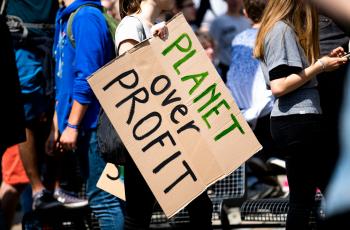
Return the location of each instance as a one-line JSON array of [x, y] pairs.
[[31, 24], [88, 48], [246, 82], [331, 85], [13, 122], [223, 29]]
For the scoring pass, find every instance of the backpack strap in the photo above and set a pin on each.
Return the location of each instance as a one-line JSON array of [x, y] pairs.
[[70, 23]]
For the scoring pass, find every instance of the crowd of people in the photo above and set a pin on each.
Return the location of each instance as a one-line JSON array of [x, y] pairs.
[[283, 61]]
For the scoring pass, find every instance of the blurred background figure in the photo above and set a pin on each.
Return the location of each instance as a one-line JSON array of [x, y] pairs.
[[337, 195], [246, 82], [31, 23], [207, 11], [13, 123], [224, 28], [208, 44], [187, 7], [112, 7], [14, 182], [331, 86]]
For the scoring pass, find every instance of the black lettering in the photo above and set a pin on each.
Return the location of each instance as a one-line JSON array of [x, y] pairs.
[[151, 131], [182, 109], [160, 141], [189, 125], [188, 172], [165, 87], [166, 161], [123, 84], [134, 98], [168, 100]]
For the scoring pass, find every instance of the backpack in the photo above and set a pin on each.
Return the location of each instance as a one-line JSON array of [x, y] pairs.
[[111, 146]]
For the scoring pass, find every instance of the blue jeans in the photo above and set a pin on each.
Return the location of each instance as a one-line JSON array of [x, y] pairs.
[[108, 209]]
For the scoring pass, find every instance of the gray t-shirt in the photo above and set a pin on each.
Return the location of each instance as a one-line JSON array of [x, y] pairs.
[[131, 28], [281, 47]]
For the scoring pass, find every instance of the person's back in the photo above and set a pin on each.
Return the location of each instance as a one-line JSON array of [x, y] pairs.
[[246, 81]]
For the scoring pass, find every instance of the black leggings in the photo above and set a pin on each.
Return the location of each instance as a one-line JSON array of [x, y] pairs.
[[307, 165], [140, 203]]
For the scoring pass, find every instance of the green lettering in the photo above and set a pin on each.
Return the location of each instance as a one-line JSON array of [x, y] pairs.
[[215, 110], [213, 97], [197, 78], [231, 128], [176, 44], [183, 60]]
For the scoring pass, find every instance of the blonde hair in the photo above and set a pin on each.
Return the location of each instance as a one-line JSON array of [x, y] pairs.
[[301, 16]]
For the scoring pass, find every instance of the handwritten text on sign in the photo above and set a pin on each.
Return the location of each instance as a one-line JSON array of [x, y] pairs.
[[174, 115]]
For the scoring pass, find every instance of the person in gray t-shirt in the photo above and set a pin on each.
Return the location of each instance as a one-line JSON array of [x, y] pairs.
[[289, 51]]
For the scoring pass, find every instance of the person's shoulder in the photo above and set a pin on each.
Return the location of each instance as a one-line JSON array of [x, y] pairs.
[[245, 35], [280, 30], [89, 11], [129, 21], [281, 26], [89, 14], [250, 32], [245, 20], [219, 19]]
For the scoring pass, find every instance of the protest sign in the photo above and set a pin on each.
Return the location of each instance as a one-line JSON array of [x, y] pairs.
[[112, 180], [175, 115]]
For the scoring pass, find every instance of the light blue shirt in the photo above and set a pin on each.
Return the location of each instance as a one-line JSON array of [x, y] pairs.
[[245, 79]]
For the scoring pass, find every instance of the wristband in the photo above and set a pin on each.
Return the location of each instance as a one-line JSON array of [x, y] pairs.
[[72, 126], [323, 65]]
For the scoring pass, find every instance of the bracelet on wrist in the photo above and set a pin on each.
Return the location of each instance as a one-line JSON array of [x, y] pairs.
[[322, 64], [72, 126]]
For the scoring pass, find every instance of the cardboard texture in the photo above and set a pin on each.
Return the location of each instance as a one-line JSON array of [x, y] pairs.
[[175, 115], [112, 180]]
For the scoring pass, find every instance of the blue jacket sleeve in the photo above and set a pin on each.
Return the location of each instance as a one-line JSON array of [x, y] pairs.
[[91, 38]]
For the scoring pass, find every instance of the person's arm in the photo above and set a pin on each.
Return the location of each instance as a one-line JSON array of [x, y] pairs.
[[91, 48], [285, 85], [126, 45], [69, 136]]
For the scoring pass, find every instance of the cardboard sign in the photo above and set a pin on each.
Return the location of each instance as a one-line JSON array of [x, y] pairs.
[[112, 180], [175, 115]]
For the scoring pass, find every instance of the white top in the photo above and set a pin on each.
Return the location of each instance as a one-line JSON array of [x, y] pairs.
[[131, 28]]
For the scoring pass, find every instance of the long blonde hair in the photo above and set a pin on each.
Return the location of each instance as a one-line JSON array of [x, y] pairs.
[[301, 16]]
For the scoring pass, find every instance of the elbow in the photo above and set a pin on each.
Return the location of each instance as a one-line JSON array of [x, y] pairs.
[[277, 91]]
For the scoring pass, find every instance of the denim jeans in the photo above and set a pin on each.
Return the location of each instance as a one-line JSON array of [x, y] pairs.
[[108, 209]]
